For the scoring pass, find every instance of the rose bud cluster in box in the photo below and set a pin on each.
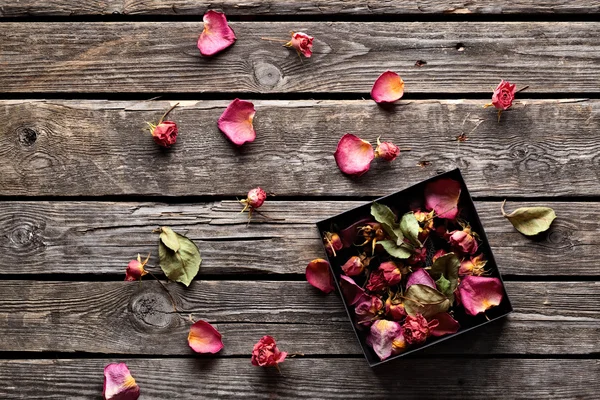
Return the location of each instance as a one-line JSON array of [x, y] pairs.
[[410, 273]]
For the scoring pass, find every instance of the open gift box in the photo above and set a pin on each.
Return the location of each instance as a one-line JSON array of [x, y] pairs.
[[414, 268]]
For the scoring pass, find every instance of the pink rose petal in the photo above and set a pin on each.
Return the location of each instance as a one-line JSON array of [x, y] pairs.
[[386, 338], [420, 277], [479, 293], [119, 384], [351, 291], [446, 324], [442, 197], [204, 338], [354, 155], [236, 122], [388, 88], [319, 275], [217, 35]]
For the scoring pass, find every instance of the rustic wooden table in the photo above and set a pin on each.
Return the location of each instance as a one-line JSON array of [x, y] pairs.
[[82, 186]]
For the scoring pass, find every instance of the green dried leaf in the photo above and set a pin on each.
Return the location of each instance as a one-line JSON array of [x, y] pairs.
[[444, 287], [181, 265], [410, 228], [530, 220], [394, 250], [386, 217], [169, 238], [425, 300], [447, 266]]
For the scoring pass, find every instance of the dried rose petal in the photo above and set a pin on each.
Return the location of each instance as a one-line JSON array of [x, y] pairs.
[[416, 329], [302, 43], [354, 266], [418, 256], [354, 155], [135, 269], [420, 277], [377, 281], [367, 310], [438, 254], [446, 325], [389, 87], [391, 273], [319, 275], [387, 151], [479, 293], [464, 241], [266, 354], [442, 197], [386, 339], [217, 35], [204, 338], [351, 291], [236, 122], [349, 234], [473, 266], [119, 384]]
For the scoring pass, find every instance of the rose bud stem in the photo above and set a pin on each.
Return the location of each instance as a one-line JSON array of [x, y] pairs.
[[523, 88], [274, 40], [167, 113], [166, 290]]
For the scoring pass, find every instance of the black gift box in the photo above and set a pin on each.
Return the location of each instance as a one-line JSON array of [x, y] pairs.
[[404, 201]]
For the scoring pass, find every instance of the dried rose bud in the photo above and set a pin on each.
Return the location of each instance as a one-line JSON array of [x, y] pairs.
[[332, 243], [395, 309], [119, 384], [165, 133], [204, 338], [266, 354], [256, 197], [386, 339], [479, 293], [135, 269], [217, 35], [425, 220], [503, 96], [418, 257], [319, 275], [416, 329], [388, 88], [391, 273], [387, 151], [376, 282], [353, 155], [372, 231], [464, 240], [367, 310], [473, 266], [438, 254], [354, 266], [302, 43]]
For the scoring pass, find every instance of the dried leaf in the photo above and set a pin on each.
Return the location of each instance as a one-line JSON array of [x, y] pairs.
[[447, 266], [394, 250], [422, 299], [443, 285], [530, 220], [181, 265], [169, 238], [386, 217], [410, 228]]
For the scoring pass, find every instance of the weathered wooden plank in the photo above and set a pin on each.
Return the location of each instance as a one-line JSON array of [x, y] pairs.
[[162, 57], [291, 7], [310, 379], [69, 237], [540, 148], [128, 318]]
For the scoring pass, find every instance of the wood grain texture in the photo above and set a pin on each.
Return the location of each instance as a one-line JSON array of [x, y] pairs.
[[129, 318], [92, 148], [291, 7], [309, 379], [101, 237], [152, 57]]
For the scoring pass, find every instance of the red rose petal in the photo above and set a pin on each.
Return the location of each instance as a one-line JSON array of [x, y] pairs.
[[319, 275], [446, 325], [236, 122], [479, 293], [351, 291], [442, 197], [388, 88], [204, 338], [119, 384], [217, 35], [354, 155]]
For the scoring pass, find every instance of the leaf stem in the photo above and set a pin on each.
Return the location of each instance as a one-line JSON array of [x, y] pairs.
[[502, 208], [166, 290]]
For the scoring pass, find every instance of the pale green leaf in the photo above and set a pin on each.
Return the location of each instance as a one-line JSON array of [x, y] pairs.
[[169, 238], [446, 266], [425, 300], [394, 250], [181, 265], [444, 287], [386, 217], [531, 221], [410, 228]]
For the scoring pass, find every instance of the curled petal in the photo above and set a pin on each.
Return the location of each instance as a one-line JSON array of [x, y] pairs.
[[446, 325], [319, 275], [351, 291], [354, 155], [354, 266], [119, 384], [442, 197], [479, 293], [381, 337], [204, 338], [420, 277], [217, 35], [236, 122], [388, 88]]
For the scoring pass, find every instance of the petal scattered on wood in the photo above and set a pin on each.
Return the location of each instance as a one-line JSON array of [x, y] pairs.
[[119, 384], [389, 87], [354, 155], [236, 122], [217, 35], [204, 338], [319, 275]]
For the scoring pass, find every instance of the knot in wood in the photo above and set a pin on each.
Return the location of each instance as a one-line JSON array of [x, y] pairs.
[[25, 235], [27, 136], [267, 75], [151, 309]]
